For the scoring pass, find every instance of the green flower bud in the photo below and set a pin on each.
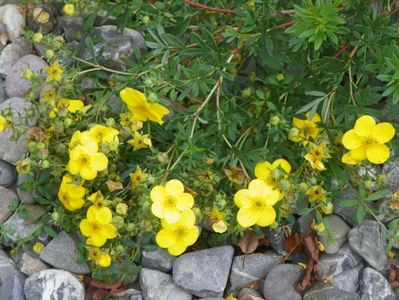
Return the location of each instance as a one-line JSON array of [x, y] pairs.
[[274, 120], [110, 122], [368, 184], [146, 19], [57, 42], [277, 174], [152, 97], [118, 221], [285, 185], [162, 158], [303, 187], [49, 54], [382, 180], [293, 133], [280, 76], [45, 164], [41, 145], [60, 149], [37, 37], [246, 93], [252, 77], [313, 181], [28, 74], [32, 146], [121, 209], [120, 249], [55, 216]]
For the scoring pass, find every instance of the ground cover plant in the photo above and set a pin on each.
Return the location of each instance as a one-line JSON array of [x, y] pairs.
[[239, 117]]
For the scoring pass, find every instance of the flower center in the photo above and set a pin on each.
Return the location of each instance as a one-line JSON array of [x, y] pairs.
[[368, 140], [84, 159], [180, 231], [170, 202]]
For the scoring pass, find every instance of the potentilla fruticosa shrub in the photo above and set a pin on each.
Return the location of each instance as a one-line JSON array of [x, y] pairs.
[[241, 116]]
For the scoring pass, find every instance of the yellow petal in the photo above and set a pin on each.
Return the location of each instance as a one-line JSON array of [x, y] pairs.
[[174, 187], [285, 165], [97, 239], [316, 118], [187, 218], [171, 215], [158, 193], [88, 173], [85, 228], [100, 161], [262, 170], [383, 132], [258, 187], [364, 125], [298, 123], [157, 209], [73, 167], [272, 197], [348, 159], [247, 216], [109, 231], [165, 238], [378, 153], [350, 140], [191, 236], [267, 216], [157, 112], [132, 97], [185, 201], [178, 248], [103, 214], [241, 198], [219, 227], [104, 261], [359, 153]]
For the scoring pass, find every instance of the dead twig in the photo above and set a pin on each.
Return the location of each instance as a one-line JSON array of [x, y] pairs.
[[208, 8]]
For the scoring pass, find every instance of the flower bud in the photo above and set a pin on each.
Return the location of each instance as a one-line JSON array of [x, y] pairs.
[[285, 185], [121, 209], [152, 97], [68, 122], [58, 42], [37, 37], [69, 9], [146, 19], [252, 77], [303, 187], [280, 76], [45, 164], [368, 184], [162, 158], [382, 180], [274, 120], [246, 93], [32, 146], [38, 247], [49, 54], [118, 221], [120, 249], [55, 216], [110, 122], [28, 74], [313, 181], [293, 133], [60, 149]]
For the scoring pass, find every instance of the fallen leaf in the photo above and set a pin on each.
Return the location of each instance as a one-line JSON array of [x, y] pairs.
[[249, 242], [393, 276], [293, 243], [236, 175], [114, 185], [312, 252], [250, 297]]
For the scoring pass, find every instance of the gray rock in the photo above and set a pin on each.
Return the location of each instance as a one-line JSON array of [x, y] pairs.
[[7, 174], [391, 169], [13, 20], [17, 228], [53, 284], [29, 264], [16, 85], [348, 280], [42, 17], [333, 264], [12, 281], [3, 94], [25, 196], [249, 292], [156, 285], [248, 268], [212, 298], [117, 49], [367, 240], [276, 238], [204, 273], [40, 48], [323, 291], [63, 245], [130, 294], [374, 286], [12, 53], [281, 282], [158, 260], [72, 27], [304, 224], [336, 236], [12, 151], [6, 198]]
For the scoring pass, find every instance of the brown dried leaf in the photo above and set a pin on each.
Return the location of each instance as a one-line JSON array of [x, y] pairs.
[[249, 242], [313, 252], [293, 243], [250, 297], [114, 185], [393, 277], [236, 175]]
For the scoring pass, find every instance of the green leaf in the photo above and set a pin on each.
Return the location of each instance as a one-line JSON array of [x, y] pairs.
[[377, 195], [348, 203], [360, 214], [305, 211]]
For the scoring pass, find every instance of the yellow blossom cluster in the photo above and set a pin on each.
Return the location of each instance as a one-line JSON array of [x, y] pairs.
[[174, 207], [256, 202]]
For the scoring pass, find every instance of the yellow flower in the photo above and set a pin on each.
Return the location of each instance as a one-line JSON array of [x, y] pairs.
[[140, 141], [99, 207], [318, 227], [81, 139], [137, 103], [99, 257], [231, 297], [3, 123], [256, 204], [316, 155], [121, 209], [316, 193], [70, 105], [218, 220], [137, 177], [70, 194], [104, 134], [86, 161], [326, 209], [264, 170], [367, 141], [38, 247], [128, 121], [178, 236], [170, 201], [54, 72], [97, 230], [307, 128], [69, 9], [23, 166]]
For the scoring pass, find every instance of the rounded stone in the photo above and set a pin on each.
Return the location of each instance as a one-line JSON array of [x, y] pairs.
[[7, 174], [53, 284], [6, 198], [16, 85]]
